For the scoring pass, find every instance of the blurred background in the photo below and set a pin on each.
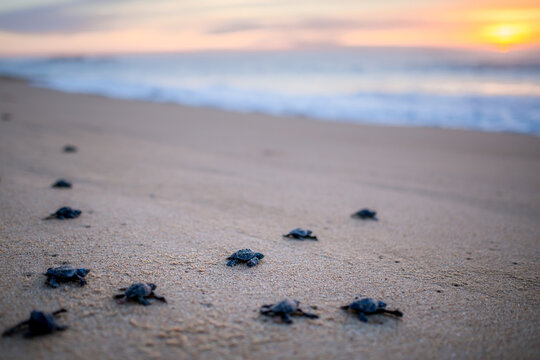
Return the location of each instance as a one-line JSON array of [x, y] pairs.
[[442, 63]]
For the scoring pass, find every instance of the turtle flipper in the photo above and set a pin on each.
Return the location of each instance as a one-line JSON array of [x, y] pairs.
[[396, 313], [306, 314], [362, 317], [143, 301], [254, 261], [82, 282], [160, 298], [286, 318], [62, 310], [233, 262], [12, 330], [51, 281]]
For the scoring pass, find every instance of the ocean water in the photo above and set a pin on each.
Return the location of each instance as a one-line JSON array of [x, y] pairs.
[[486, 91]]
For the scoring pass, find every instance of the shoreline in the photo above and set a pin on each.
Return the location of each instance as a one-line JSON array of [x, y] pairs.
[[168, 192], [364, 122]]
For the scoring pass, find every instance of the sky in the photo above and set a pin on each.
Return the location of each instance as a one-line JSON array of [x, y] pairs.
[[58, 27]]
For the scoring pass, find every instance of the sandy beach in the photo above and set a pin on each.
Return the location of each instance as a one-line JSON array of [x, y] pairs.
[[167, 193]]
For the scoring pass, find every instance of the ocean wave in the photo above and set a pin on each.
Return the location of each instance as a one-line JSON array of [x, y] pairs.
[[488, 113], [415, 89]]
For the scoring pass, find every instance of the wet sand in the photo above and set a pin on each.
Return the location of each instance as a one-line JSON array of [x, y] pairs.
[[168, 192]]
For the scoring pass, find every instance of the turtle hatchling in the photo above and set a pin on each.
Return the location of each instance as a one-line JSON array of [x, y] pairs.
[[139, 292], [65, 273], [365, 214], [247, 256], [300, 234], [40, 323], [61, 183], [70, 149], [370, 306], [64, 213], [285, 309]]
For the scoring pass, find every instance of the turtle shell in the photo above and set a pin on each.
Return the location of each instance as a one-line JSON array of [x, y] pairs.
[[285, 307], [367, 305], [64, 271], [67, 213], [41, 322], [139, 289], [365, 214], [62, 184], [244, 255], [300, 232]]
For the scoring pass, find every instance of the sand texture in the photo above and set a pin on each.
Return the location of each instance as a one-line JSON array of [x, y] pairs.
[[168, 192]]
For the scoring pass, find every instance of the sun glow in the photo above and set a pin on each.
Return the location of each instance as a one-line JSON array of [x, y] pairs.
[[507, 35]]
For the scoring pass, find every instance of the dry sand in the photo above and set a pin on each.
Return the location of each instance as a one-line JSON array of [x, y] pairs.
[[168, 192]]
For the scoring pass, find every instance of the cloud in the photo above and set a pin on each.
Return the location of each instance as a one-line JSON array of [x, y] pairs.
[[53, 18], [75, 16], [316, 24], [234, 27], [322, 44], [338, 24]]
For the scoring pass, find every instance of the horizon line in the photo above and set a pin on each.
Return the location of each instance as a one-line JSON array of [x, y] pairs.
[[480, 48]]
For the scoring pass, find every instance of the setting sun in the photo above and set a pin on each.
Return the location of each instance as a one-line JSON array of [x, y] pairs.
[[506, 35]]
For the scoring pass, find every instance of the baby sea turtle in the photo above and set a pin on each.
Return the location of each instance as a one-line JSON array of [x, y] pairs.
[[369, 306], [64, 213], [61, 183], [70, 149], [286, 309], [40, 323], [247, 256], [139, 292], [65, 273], [300, 234], [365, 214]]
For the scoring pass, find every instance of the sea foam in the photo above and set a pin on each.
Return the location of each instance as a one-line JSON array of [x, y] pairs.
[[415, 89]]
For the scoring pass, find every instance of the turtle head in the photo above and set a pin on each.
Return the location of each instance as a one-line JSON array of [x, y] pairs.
[[152, 286], [381, 304], [83, 272], [259, 255]]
